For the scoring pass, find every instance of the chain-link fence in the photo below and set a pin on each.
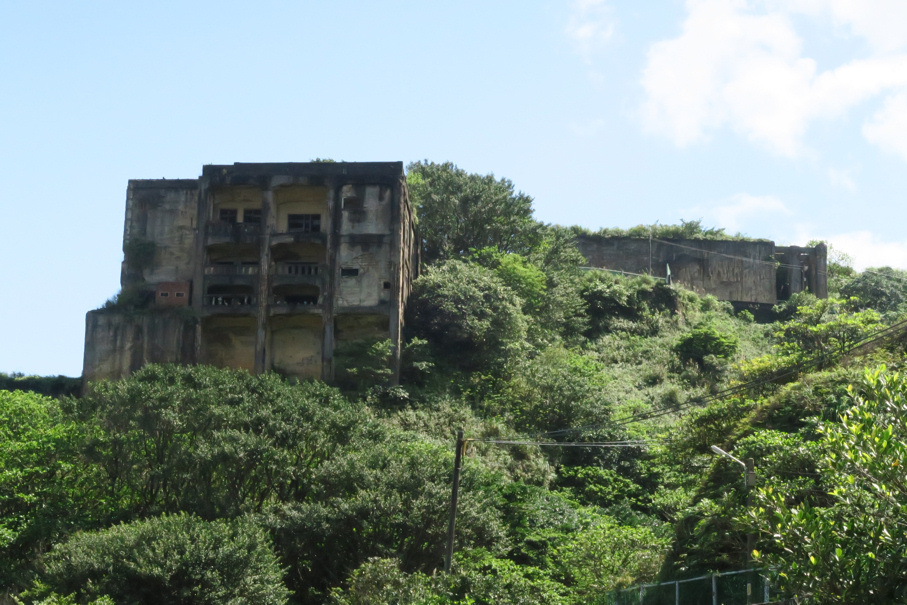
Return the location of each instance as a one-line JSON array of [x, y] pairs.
[[728, 588]]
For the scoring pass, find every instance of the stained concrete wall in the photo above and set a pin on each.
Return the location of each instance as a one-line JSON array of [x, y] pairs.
[[296, 343], [366, 224], [163, 212], [300, 200], [738, 271], [118, 344], [228, 342]]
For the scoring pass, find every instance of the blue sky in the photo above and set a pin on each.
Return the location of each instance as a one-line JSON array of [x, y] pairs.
[[780, 119]]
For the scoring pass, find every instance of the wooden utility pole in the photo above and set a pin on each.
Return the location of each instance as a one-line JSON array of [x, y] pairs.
[[458, 459]]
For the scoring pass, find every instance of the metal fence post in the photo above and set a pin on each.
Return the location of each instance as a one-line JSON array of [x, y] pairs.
[[715, 589], [676, 593]]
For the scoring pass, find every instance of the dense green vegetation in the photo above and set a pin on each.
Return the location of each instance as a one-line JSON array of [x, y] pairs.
[[202, 485]]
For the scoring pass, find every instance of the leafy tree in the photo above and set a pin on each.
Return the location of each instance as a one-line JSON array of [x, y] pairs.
[[608, 555], [171, 559], [210, 441], [614, 301], [685, 230], [458, 211], [41, 495], [883, 289], [562, 312], [703, 341], [470, 316], [826, 326], [387, 499], [525, 279], [52, 386], [382, 581], [557, 389], [848, 545], [362, 364]]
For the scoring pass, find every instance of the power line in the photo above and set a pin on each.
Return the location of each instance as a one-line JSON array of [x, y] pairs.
[[639, 443], [766, 262], [736, 389], [793, 370]]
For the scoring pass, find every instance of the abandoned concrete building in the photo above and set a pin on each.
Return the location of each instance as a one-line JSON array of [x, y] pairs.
[[753, 272], [259, 266]]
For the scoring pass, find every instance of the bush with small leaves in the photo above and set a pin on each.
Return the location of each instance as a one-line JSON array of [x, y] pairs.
[[177, 559]]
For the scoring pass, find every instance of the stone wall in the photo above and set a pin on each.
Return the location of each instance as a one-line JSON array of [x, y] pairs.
[[737, 271]]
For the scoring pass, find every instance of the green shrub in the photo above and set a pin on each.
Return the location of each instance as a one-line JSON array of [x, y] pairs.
[[39, 481], [139, 253], [176, 559], [704, 341], [883, 289], [470, 316]]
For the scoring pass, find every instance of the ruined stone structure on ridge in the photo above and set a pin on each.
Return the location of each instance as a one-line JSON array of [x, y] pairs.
[[748, 272], [259, 266]]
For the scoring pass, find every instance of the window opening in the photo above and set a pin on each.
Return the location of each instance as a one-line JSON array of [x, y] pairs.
[[352, 203], [180, 294], [307, 223], [349, 272], [387, 285], [251, 216], [165, 294], [298, 268], [227, 215]]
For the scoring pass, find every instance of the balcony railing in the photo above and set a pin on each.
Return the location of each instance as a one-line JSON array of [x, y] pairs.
[[230, 300], [298, 236], [231, 270], [236, 232], [292, 301], [296, 268]]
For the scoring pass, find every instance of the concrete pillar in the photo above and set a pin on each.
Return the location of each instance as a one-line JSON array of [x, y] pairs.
[[819, 286], [332, 245], [203, 213], [397, 266], [262, 357]]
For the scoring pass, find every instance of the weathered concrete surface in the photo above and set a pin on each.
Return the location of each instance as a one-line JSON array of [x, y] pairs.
[[162, 212], [117, 344], [802, 269], [275, 257], [737, 271]]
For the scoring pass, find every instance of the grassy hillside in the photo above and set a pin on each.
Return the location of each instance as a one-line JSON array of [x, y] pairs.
[[590, 402]]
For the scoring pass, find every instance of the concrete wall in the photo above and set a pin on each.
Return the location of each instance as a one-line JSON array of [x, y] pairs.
[[738, 271], [296, 343], [366, 226], [802, 269], [117, 344], [163, 212], [228, 342], [300, 200]]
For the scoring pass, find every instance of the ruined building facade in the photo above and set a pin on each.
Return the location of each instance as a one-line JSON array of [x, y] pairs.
[[267, 267], [746, 272]]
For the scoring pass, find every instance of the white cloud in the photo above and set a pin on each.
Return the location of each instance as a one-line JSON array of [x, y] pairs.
[[590, 26], [869, 250], [736, 66], [888, 127], [842, 178], [879, 22], [743, 210]]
